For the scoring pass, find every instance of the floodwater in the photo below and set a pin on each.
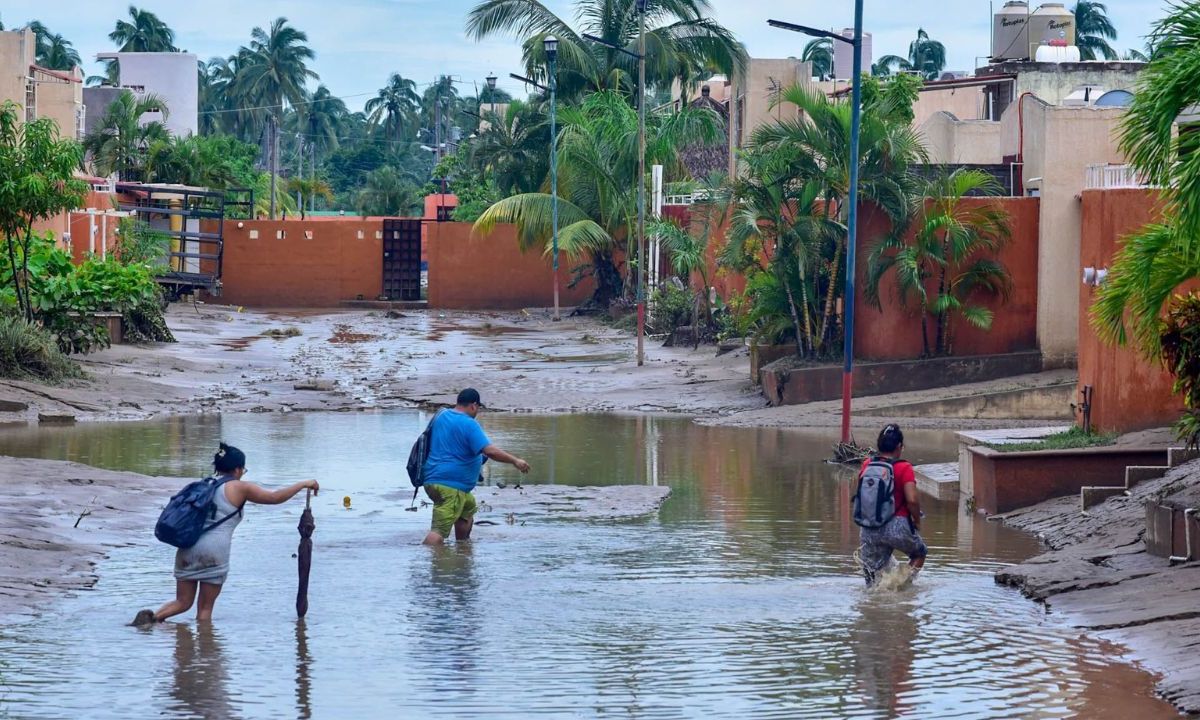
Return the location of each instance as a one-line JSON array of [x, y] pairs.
[[738, 599]]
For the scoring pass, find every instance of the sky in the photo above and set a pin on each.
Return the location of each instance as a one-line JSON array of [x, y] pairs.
[[360, 42]]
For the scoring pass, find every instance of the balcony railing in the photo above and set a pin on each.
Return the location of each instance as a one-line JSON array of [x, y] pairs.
[[1112, 177]]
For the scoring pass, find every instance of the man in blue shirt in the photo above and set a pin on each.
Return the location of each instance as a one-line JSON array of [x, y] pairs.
[[457, 447]]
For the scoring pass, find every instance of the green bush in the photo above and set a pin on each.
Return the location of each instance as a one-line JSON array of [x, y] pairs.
[[671, 307], [1180, 339], [28, 351]]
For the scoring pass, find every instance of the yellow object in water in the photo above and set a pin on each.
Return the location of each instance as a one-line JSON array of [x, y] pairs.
[[346, 502]]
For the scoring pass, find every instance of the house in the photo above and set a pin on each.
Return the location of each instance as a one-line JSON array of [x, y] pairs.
[[38, 91], [172, 76]]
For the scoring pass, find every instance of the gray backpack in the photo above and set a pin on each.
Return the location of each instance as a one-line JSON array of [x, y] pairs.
[[875, 500]]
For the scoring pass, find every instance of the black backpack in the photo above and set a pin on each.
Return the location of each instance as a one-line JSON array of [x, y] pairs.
[[187, 515], [419, 454]]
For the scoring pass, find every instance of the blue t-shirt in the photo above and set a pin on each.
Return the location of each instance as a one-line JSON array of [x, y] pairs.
[[455, 451]]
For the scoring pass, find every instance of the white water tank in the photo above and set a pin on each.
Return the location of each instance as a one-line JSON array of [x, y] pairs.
[[1010, 33], [1057, 54], [1052, 25], [843, 55]]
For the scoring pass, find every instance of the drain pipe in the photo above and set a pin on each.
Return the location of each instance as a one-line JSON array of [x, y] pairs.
[[1187, 534]]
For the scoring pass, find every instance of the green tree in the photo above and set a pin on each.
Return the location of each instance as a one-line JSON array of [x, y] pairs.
[[1155, 260], [143, 32], [598, 183], [394, 110], [688, 247], [949, 261], [389, 192], [514, 148], [38, 171], [682, 40], [309, 189], [819, 52], [121, 143], [52, 50], [1093, 30], [926, 57], [275, 73]]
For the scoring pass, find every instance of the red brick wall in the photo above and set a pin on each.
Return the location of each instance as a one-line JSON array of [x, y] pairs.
[[1129, 392], [471, 272], [321, 269], [895, 333]]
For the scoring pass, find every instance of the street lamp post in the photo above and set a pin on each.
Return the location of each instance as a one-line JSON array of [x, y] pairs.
[[852, 225], [491, 83], [551, 46], [640, 56]]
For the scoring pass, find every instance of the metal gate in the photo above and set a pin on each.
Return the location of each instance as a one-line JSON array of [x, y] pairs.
[[402, 259]]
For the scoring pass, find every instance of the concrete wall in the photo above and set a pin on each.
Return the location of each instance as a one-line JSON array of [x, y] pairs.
[[759, 89], [965, 103], [1053, 82], [313, 263], [97, 101], [472, 272], [951, 141], [1129, 392], [16, 55], [173, 77], [895, 333], [1060, 142], [60, 98]]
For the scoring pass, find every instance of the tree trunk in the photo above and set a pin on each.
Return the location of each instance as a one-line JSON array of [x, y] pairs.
[[941, 316], [787, 288], [12, 263], [25, 270], [924, 333], [831, 293], [608, 279]]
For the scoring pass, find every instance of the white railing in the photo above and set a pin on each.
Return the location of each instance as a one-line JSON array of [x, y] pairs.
[[1111, 177], [686, 199]]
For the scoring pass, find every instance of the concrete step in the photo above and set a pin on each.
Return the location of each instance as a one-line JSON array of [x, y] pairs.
[[938, 480], [1179, 456], [1135, 474], [1092, 495]]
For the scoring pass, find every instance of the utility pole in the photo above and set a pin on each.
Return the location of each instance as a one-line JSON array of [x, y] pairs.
[[437, 129], [641, 180], [300, 172], [271, 158], [551, 47], [852, 224]]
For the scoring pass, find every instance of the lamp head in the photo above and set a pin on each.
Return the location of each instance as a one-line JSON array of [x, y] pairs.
[[551, 46], [491, 82]]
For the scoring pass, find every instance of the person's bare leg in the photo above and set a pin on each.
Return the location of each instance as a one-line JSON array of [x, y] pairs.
[[433, 539], [185, 595], [462, 528], [208, 598], [917, 563]]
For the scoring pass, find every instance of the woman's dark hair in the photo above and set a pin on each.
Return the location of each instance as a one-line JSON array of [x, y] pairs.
[[890, 438], [228, 459]]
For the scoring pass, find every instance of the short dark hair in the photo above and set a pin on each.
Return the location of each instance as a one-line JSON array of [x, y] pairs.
[[890, 438], [228, 459], [469, 396]]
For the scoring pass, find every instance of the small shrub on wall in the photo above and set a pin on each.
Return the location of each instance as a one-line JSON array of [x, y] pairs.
[[1181, 353]]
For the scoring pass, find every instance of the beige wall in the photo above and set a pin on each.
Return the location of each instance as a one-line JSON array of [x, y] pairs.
[[16, 55], [963, 103], [950, 141], [1060, 142], [61, 101], [1053, 82], [758, 91]]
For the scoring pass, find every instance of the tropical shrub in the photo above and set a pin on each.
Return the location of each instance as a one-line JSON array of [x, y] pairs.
[[29, 352], [670, 308], [1180, 342]]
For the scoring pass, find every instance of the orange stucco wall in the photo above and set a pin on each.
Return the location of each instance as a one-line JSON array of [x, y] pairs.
[[1129, 392], [895, 332], [472, 272], [318, 263], [75, 222]]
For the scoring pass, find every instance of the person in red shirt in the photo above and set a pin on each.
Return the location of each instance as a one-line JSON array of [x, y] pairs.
[[903, 531]]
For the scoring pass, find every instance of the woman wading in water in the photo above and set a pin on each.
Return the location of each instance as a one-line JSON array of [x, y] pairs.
[[204, 566]]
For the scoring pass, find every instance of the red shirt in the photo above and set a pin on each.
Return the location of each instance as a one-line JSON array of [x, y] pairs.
[[904, 475]]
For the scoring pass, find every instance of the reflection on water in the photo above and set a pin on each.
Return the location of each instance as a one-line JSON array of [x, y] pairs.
[[739, 599]]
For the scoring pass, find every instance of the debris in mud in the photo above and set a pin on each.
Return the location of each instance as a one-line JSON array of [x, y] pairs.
[[56, 418], [281, 333], [394, 315], [342, 335]]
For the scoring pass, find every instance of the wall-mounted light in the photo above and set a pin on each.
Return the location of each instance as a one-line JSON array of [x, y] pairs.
[[1094, 277], [241, 225]]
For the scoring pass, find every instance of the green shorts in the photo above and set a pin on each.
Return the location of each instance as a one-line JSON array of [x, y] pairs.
[[449, 506]]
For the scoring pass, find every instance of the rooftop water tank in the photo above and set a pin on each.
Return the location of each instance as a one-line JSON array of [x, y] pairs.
[[1057, 54], [1010, 33], [1051, 24]]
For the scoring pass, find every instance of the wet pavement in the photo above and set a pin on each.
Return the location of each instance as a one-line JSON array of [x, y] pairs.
[[738, 598]]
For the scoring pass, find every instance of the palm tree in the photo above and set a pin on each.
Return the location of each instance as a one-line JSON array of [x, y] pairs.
[[1093, 30], [53, 51], [598, 181], [121, 143], [309, 190], [815, 149], [513, 149], [321, 120], [388, 191], [395, 108], [144, 32], [949, 259], [682, 40], [275, 72], [1154, 261], [819, 52], [688, 247], [926, 56]]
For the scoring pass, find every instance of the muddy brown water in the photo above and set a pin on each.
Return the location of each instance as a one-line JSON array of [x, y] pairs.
[[738, 599]]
